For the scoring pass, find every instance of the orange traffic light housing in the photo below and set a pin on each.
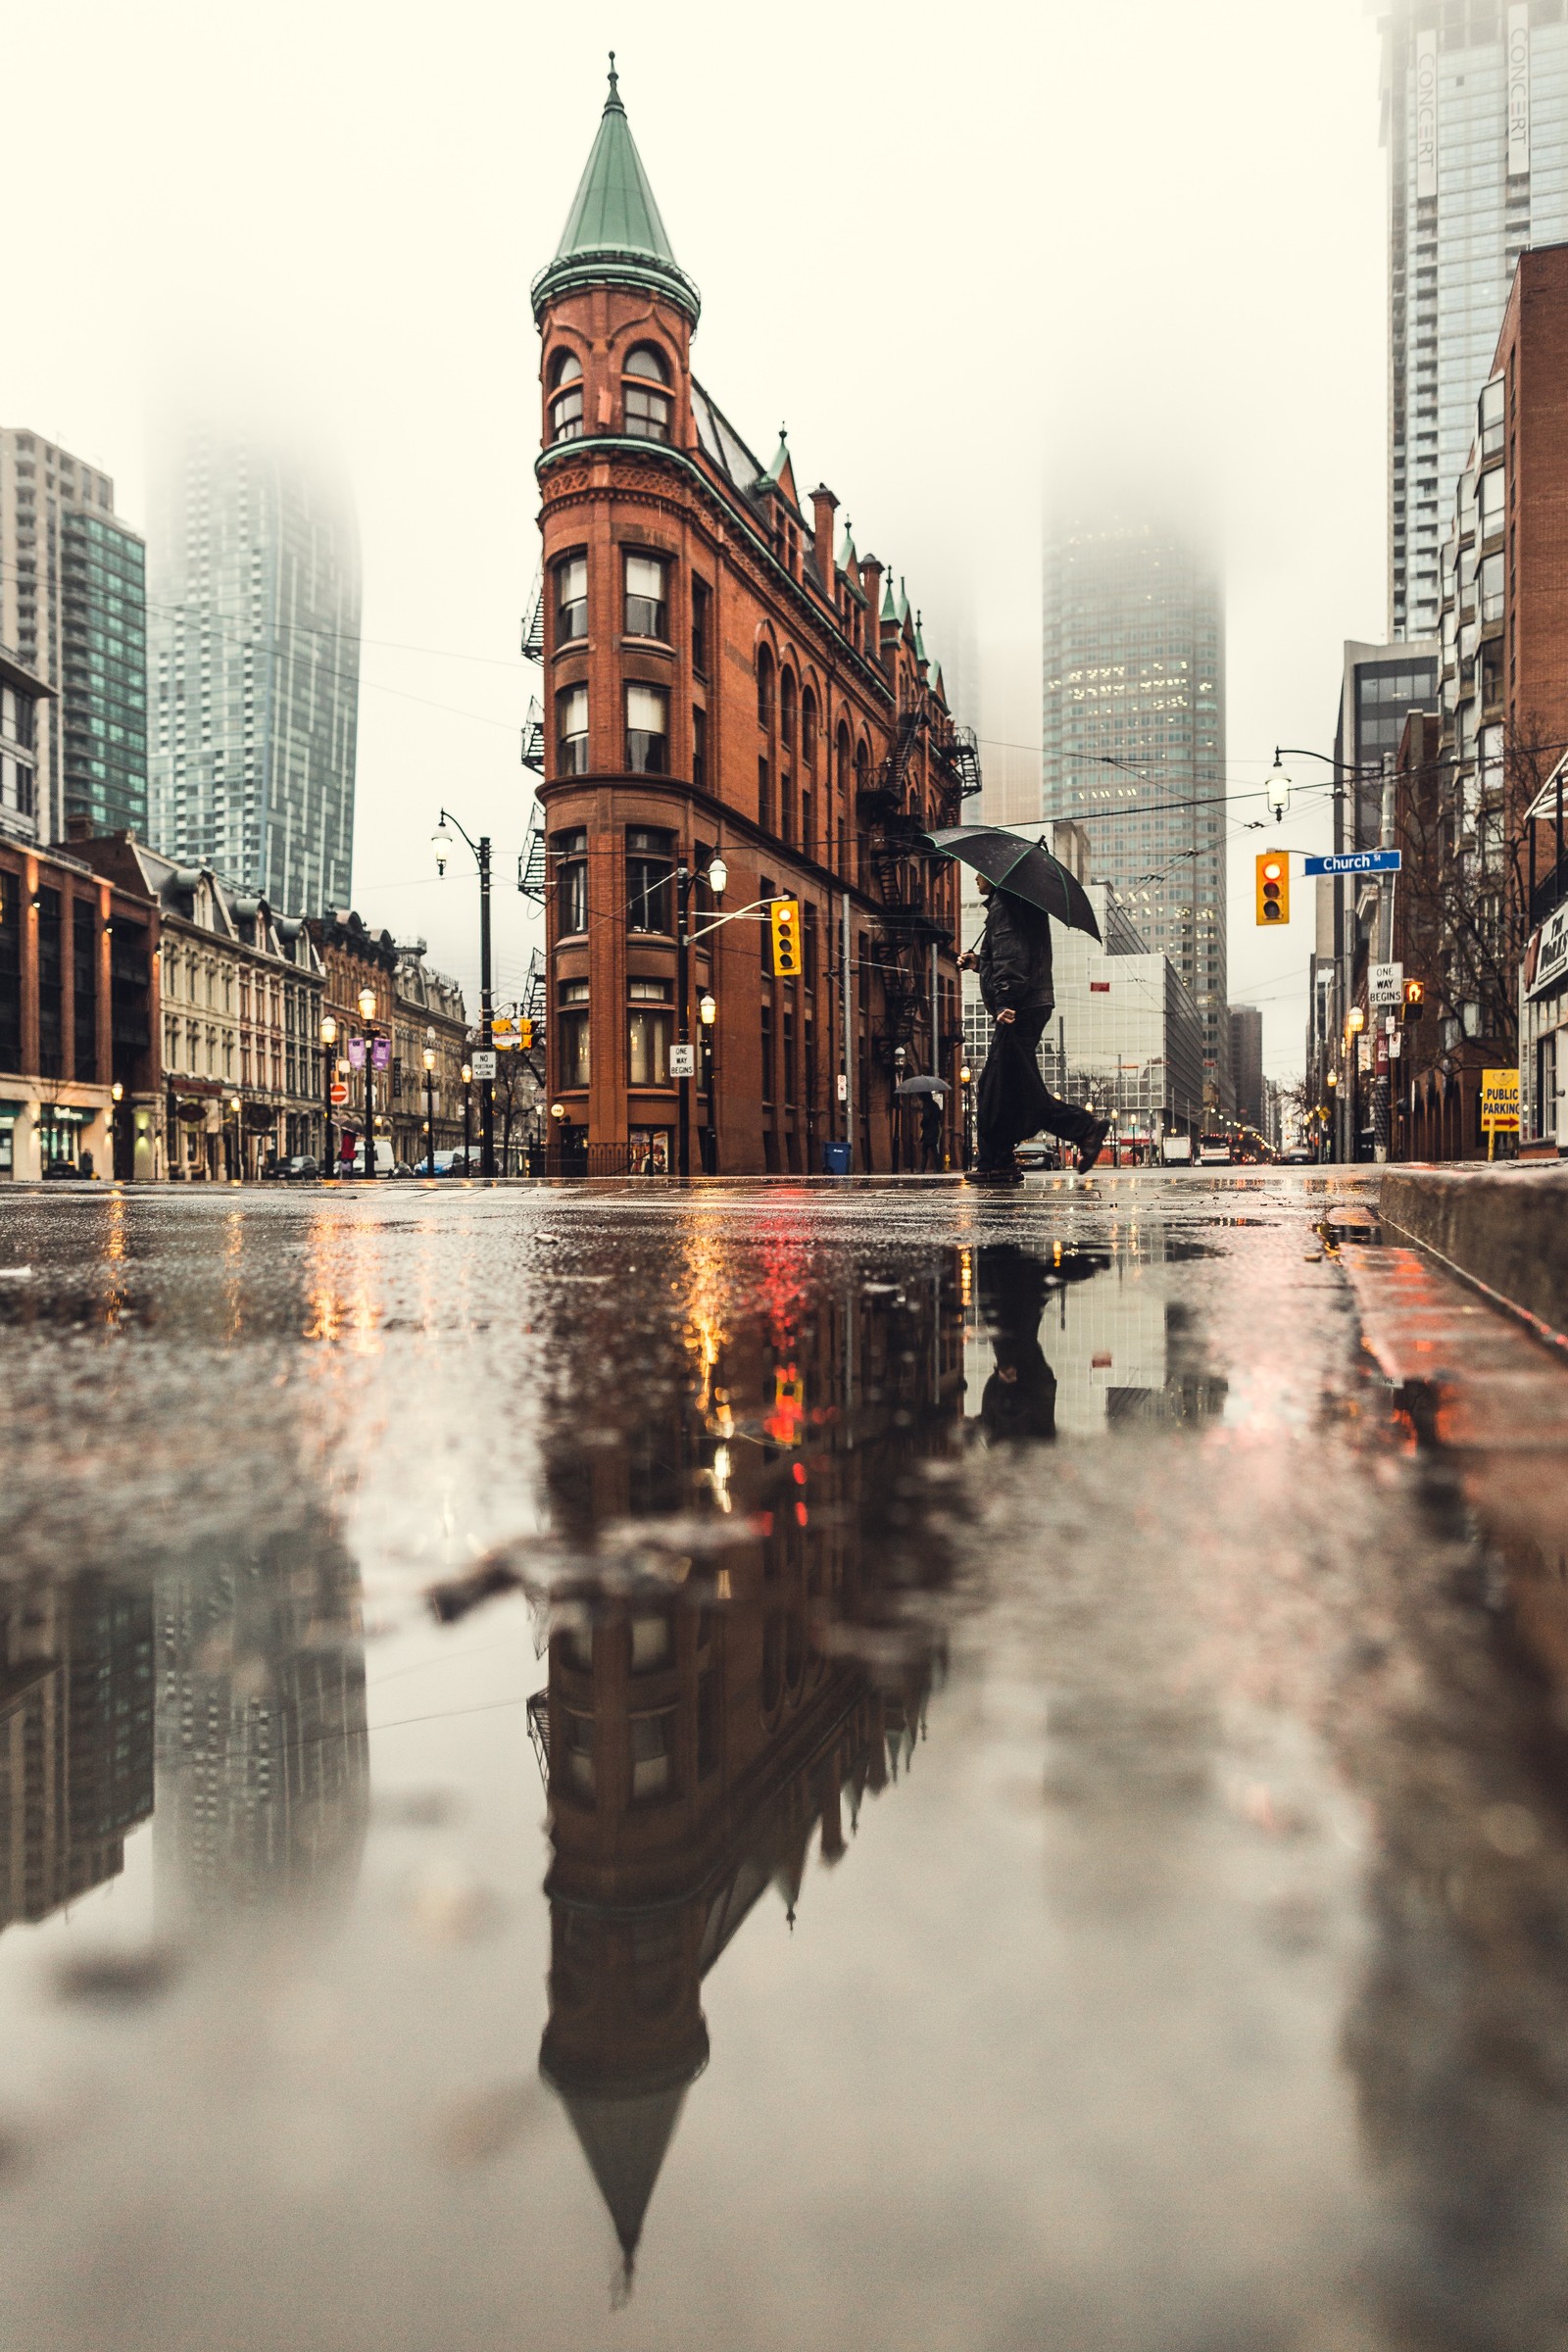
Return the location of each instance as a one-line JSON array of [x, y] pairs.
[[1416, 1000], [785, 916], [1273, 886]]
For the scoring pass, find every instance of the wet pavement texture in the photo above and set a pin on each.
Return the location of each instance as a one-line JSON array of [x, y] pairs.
[[775, 1766]]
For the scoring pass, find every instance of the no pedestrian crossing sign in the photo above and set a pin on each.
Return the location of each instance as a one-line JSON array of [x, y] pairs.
[[1355, 862], [1499, 1101], [484, 1064]]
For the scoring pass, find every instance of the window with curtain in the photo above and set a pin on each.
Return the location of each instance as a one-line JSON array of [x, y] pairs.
[[647, 597], [650, 880], [571, 731], [646, 730], [571, 600], [572, 1034], [570, 858]]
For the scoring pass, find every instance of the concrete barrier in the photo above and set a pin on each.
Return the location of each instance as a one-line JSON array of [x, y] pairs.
[[1505, 1228]]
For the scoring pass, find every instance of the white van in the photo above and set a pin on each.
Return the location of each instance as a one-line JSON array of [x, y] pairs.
[[384, 1161], [1176, 1150]]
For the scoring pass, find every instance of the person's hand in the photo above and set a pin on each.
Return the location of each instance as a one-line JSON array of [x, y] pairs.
[[968, 961], [1005, 1015]]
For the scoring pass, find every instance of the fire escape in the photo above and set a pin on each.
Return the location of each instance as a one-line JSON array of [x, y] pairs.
[[901, 868]]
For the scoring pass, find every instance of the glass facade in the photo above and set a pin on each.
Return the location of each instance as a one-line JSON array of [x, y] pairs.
[[1134, 742], [104, 612], [1476, 122], [254, 634]]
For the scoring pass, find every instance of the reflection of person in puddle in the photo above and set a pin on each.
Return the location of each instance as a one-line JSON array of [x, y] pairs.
[[1019, 1400]]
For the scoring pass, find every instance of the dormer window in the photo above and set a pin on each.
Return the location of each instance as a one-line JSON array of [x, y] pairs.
[[565, 407], [647, 406]]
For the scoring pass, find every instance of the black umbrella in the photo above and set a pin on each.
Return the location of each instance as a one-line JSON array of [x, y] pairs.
[[1024, 868], [921, 1085]]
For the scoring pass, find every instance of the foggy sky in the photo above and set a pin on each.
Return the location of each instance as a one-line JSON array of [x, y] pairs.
[[969, 256]]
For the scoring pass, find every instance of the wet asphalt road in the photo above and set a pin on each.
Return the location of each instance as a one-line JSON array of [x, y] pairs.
[[774, 1766]]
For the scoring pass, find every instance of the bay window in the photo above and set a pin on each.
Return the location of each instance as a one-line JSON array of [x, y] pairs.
[[572, 1035], [650, 1028], [571, 731], [569, 856], [571, 600], [650, 879], [647, 597]]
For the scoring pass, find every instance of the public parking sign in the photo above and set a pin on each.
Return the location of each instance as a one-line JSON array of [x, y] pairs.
[[484, 1064], [1355, 862], [1499, 1101]]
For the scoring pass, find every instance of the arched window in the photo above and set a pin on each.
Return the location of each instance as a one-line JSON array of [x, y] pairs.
[[786, 710], [863, 767], [647, 410], [566, 405], [844, 759], [809, 728], [764, 687]]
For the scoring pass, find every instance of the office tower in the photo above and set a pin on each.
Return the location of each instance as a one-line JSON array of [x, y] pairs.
[[1134, 740], [74, 608], [255, 666], [1475, 119], [1247, 1064]]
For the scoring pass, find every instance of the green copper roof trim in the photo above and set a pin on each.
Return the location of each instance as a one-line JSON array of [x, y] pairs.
[[614, 232], [919, 641], [847, 555], [890, 611]]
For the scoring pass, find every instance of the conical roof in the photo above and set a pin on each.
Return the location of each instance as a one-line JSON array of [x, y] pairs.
[[614, 232], [626, 2141]]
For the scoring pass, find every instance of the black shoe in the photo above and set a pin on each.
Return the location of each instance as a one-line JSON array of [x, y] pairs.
[[1089, 1149], [994, 1176]]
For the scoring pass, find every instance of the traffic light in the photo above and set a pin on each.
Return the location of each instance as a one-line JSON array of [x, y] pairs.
[[1274, 886], [785, 916], [1416, 1000], [526, 1034]]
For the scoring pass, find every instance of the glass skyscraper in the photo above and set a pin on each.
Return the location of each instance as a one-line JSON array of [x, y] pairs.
[[255, 633], [1475, 119], [1133, 741], [73, 603]]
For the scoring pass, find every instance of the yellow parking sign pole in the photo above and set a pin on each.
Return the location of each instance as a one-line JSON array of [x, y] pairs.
[[1500, 1106]]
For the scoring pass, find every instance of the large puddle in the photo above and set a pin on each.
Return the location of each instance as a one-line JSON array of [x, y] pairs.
[[578, 1768]]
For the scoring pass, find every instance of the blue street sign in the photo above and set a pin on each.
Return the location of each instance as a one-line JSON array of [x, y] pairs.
[[1355, 862]]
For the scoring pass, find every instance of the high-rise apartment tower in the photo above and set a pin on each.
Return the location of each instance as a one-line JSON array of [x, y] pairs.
[[256, 667], [74, 608], [1474, 119], [1134, 740]]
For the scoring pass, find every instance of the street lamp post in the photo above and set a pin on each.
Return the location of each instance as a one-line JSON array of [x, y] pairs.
[[117, 1096], [367, 1015], [328, 1040], [481, 854], [900, 1058], [966, 1104], [429, 1106], [716, 876], [707, 1014], [239, 1142]]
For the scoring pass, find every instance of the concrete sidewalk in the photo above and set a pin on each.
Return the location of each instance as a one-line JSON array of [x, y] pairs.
[[1506, 1228]]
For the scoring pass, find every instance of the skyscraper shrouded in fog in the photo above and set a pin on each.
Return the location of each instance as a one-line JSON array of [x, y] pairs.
[[1474, 119], [255, 635], [1133, 739], [72, 606]]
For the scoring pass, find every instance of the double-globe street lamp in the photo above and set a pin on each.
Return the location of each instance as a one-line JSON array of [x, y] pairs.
[[329, 1065], [368, 1015], [443, 844], [429, 1104]]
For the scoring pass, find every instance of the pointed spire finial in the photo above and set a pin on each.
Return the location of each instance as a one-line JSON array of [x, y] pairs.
[[615, 83]]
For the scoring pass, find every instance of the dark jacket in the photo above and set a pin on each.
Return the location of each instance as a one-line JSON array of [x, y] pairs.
[[1015, 957]]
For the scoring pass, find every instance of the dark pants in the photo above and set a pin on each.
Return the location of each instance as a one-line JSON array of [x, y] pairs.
[[1012, 1101]]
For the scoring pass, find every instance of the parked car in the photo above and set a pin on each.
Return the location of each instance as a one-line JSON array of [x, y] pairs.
[[60, 1168], [1038, 1153], [301, 1168]]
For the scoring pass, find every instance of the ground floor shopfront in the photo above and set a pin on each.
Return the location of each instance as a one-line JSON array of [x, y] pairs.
[[220, 1135], [46, 1128]]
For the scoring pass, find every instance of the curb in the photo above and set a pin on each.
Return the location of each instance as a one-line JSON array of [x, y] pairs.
[[1505, 1231]]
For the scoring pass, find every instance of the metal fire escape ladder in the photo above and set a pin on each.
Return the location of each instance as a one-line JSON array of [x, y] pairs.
[[533, 871], [904, 935]]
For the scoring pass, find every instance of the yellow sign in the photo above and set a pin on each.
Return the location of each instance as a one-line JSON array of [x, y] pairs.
[[1499, 1101]]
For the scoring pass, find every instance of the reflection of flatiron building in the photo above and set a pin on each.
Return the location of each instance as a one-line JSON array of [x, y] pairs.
[[263, 1753], [75, 1739], [697, 1743]]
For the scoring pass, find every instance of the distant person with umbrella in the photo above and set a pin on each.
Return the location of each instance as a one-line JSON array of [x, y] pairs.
[[930, 1134], [1022, 886]]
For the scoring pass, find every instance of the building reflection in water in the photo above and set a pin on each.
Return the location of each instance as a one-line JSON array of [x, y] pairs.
[[262, 1755], [732, 1692], [76, 1737]]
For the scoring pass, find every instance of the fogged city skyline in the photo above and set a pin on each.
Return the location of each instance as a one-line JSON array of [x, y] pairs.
[[969, 290]]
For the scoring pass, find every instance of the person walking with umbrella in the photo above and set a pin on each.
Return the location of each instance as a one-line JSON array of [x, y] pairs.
[[1023, 886]]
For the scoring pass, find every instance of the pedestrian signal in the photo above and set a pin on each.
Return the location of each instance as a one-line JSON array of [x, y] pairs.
[[1273, 886], [526, 1034], [1416, 1000], [784, 917]]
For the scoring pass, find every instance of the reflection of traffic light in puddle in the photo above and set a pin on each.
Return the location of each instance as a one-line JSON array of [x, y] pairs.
[[1273, 886], [786, 1422]]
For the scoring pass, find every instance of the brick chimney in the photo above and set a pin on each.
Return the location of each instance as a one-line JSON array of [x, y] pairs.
[[78, 827], [824, 506]]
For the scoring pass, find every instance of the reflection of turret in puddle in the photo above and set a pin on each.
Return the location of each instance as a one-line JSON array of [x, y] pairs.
[[262, 1752], [75, 1736], [752, 1653]]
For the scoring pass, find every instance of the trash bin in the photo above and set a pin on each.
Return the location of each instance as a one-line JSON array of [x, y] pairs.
[[835, 1159]]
